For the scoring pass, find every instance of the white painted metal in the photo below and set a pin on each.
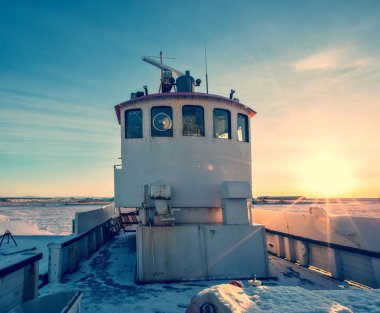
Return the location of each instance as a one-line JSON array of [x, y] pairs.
[[363, 232], [201, 176], [235, 190], [234, 202], [11, 291], [66, 253], [359, 268], [302, 253], [194, 167], [20, 280], [157, 196], [119, 192], [161, 206], [353, 232], [235, 211], [85, 221], [159, 191], [162, 66], [319, 257], [198, 215], [194, 252]]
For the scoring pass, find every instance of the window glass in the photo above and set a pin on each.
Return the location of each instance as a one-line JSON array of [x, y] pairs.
[[242, 128], [162, 122], [222, 124], [133, 124], [193, 121]]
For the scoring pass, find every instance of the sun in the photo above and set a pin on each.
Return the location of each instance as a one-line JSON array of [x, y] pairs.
[[326, 175]]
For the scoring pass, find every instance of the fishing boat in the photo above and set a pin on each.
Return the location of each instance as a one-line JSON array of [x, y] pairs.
[[184, 188]]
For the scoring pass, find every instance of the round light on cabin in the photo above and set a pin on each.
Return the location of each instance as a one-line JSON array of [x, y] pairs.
[[162, 122]]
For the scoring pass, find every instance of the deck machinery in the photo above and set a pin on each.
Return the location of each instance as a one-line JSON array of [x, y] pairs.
[[186, 166]]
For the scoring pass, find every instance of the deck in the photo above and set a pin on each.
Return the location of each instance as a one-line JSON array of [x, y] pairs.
[[107, 281]]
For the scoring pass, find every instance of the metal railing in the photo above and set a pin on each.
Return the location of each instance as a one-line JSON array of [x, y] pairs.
[[66, 254], [342, 262]]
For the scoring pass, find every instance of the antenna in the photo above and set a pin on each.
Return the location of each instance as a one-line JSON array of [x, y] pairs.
[[206, 69], [167, 73], [162, 66], [184, 83]]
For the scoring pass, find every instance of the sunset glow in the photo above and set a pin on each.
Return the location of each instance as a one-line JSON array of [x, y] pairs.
[[326, 175], [310, 69]]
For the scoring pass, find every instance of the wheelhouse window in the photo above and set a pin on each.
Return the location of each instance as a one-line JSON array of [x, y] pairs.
[[162, 122], [222, 124], [193, 121], [133, 124], [242, 128]]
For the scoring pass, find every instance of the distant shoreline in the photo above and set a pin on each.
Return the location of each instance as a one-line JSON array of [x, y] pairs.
[[32, 201]]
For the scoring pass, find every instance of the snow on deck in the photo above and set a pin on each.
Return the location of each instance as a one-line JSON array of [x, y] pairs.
[[227, 298], [106, 280], [36, 243]]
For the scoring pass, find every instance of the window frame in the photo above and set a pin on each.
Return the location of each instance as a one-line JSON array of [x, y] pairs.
[[152, 128], [126, 127], [246, 118], [203, 130], [229, 123]]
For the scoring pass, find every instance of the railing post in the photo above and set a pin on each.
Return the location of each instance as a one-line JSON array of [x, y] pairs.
[[280, 249], [289, 249], [55, 262], [93, 244], [84, 247], [376, 270], [302, 252], [99, 235], [335, 263], [72, 256], [30, 282]]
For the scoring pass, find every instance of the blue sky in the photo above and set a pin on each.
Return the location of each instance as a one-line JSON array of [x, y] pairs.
[[309, 68]]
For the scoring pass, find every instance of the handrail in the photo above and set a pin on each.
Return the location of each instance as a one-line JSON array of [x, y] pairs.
[[332, 245], [66, 253], [21, 261]]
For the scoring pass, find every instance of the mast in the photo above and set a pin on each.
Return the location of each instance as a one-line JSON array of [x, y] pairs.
[[206, 69], [162, 72]]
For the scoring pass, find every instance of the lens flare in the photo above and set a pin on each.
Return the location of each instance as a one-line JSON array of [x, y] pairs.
[[326, 175]]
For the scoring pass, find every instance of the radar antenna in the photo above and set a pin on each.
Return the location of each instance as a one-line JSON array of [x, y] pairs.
[[162, 66], [167, 73]]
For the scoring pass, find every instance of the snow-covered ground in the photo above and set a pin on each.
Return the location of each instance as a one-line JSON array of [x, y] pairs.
[[106, 280], [37, 224], [55, 218], [353, 207], [37, 219]]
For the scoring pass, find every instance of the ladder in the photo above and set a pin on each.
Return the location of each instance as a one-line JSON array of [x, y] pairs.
[[128, 219]]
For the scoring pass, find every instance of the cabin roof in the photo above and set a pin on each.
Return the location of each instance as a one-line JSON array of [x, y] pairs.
[[181, 95]]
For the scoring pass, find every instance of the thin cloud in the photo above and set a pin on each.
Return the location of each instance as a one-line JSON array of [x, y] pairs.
[[332, 60]]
